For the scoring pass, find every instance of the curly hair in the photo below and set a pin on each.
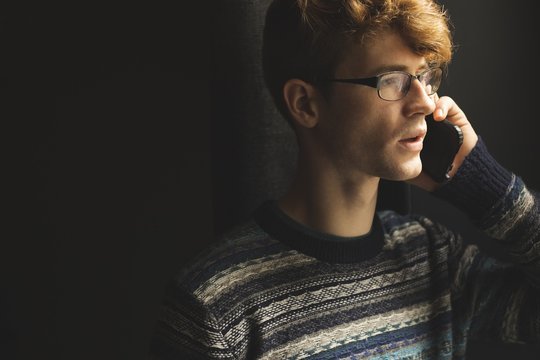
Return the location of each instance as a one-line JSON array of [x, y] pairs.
[[305, 39]]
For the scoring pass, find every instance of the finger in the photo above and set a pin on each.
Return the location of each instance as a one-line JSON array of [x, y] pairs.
[[442, 107], [436, 112]]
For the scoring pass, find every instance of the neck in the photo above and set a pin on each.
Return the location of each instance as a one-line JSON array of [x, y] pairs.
[[325, 200]]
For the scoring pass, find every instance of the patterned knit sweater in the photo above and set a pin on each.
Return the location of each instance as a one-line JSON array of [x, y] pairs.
[[410, 289]]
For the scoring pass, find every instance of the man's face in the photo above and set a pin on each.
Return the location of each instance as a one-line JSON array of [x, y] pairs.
[[364, 134]]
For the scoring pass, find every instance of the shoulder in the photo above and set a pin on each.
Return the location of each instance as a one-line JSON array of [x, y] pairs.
[[236, 248], [413, 230]]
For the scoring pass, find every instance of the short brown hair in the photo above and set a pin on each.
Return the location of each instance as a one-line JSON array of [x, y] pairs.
[[305, 39]]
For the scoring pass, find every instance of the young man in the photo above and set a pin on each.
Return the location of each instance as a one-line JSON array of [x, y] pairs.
[[319, 273]]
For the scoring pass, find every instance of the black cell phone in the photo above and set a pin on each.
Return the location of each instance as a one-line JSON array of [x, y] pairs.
[[441, 144]]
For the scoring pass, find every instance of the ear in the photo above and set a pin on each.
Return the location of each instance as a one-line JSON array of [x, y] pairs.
[[302, 100]]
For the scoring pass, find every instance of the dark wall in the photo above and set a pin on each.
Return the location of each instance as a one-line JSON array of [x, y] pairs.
[[109, 152], [136, 134]]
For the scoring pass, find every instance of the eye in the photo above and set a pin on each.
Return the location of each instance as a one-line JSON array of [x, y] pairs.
[[396, 80], [426, 78], [431, 79]]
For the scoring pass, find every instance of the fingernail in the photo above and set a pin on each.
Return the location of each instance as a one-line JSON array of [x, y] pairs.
[[439, 112]]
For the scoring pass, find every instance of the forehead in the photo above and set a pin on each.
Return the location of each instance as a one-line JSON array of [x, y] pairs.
[[385, 52]]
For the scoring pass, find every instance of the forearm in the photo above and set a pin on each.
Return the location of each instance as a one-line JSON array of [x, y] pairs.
[[500, 204]]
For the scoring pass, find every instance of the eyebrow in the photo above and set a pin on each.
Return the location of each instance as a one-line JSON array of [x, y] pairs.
[[387, 68]]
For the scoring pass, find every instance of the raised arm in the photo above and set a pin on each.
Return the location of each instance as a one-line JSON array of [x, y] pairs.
[[495, 299]]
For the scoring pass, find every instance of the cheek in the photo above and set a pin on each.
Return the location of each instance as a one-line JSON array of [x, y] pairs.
[[360, 123], [369, 113], [364, 139], [374, 130]]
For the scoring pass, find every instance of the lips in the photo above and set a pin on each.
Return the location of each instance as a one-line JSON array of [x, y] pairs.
[[414, 136], [413, 140]]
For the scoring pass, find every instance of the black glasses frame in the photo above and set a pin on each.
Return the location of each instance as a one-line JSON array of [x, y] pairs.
[[375, 81]]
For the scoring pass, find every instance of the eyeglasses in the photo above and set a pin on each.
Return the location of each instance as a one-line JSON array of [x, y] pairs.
[[394, 85]]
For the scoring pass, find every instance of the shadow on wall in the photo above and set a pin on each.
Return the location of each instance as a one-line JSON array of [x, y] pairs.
[[253, 147]]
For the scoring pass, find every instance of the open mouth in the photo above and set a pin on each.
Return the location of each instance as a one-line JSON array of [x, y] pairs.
[[412, 139], [413, 143]]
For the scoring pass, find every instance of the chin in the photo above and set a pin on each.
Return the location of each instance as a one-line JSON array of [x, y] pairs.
[[405, 176], [404, 171], [412, 168]]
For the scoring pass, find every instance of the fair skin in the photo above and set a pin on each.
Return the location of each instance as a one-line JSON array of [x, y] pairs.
[[352, 138]]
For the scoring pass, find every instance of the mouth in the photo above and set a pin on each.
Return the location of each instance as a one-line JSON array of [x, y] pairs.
[[413, 141], [418, 138]]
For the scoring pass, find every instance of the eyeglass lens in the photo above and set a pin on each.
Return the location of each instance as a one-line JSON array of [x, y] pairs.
[[395, 85]]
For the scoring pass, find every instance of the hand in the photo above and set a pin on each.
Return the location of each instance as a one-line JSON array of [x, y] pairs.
[[446, 108]]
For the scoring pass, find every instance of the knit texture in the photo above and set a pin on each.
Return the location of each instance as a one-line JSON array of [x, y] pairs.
[[410, 289]]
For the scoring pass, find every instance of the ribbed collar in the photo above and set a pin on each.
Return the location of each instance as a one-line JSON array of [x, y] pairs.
[[325, 247]]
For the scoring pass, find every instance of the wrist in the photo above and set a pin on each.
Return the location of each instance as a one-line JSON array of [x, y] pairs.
[[479, 182], [470, 140]]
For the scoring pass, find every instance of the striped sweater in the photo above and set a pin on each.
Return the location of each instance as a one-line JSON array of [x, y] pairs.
[[410, 289]]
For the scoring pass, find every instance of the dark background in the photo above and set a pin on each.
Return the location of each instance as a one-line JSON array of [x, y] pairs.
[[136, 134]]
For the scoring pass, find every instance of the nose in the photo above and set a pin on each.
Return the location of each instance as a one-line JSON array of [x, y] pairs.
[[417, 99]]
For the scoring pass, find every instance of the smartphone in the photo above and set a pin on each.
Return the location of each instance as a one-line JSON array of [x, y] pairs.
[[441, 144]]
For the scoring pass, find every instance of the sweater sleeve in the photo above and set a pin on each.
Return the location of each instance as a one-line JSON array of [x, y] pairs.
[[499, 299], [187, 330]]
